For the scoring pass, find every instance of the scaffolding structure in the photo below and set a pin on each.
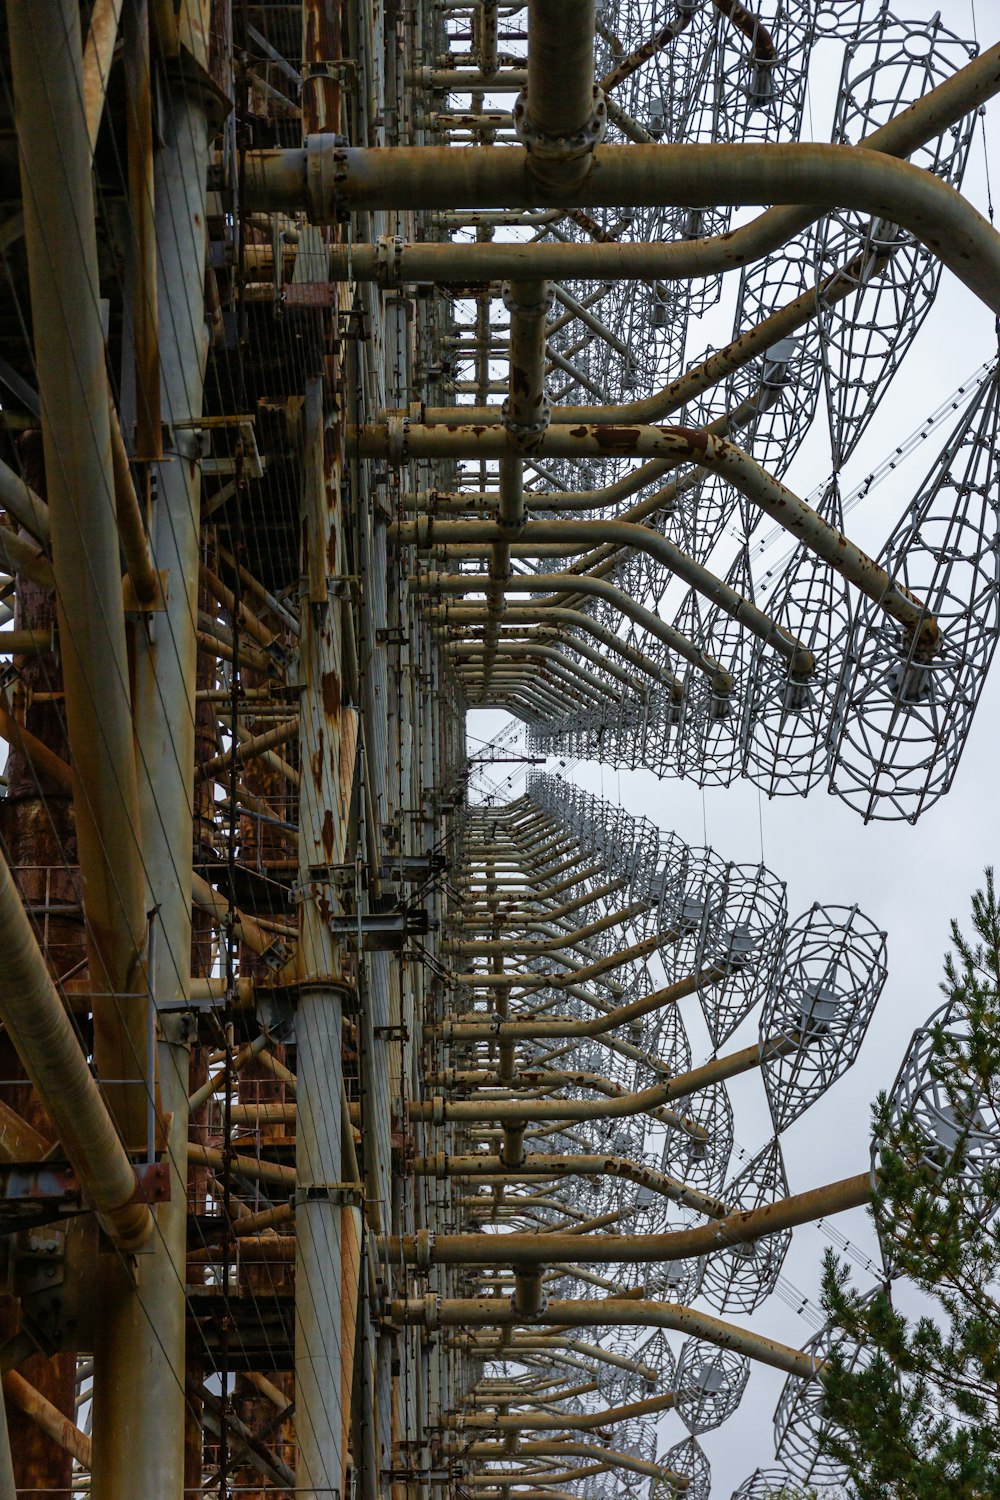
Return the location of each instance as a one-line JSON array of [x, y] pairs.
[[351, 1140]]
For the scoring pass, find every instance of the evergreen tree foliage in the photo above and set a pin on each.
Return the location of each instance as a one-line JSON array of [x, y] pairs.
[[914, 1402]]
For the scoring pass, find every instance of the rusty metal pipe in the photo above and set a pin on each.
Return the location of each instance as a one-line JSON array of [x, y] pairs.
[[525, 642], [560, 46], [565, 939], [809, 176], [49, 1048], [530, 1421], [528, 980], [60, 233], [740, 1228], [548, 583], [128, 514], [571, 1449], [496, 1169], [589, 686], [719, 456], [486, 1312], [98, 54], [615, 1107], [751, 344], [460, 614], [255, 745], [22, 1394], [542, 1030], [21, 502], [18, 555]]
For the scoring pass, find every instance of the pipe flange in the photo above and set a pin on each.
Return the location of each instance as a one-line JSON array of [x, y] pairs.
[[423, 1250], [389, 261], [561, 147], [398, 439], [437, 1110], [432, 1310], [326, 178], [441, 1166], [523, 432], [545, 304]]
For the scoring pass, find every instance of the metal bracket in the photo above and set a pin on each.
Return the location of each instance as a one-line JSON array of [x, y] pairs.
[[38, 1261], [36, 1193], [152, 1182], [339, 1194], [391, 1033], [133, 606], [410, 869], [378, 932]]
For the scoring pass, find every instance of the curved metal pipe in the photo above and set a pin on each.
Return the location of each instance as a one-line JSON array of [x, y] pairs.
[[487, 1312], [50, 1050], [549, 583]]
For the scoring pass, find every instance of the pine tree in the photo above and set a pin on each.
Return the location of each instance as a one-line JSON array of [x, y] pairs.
[[915, 1403]]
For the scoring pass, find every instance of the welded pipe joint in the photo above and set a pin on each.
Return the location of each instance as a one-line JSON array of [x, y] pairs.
[[388, 261], [423, 1246], [530, 1299], [326, 174], [548, 151], [539, 307], [397, 439], [523, 432]]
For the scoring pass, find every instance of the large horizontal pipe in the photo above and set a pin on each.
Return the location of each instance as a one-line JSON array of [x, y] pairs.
[[555, 1448], [622, 1106], [517, 643], [325, 179], [529, 980], [488, 1312], [549, 945], [542, 1029], [741, 1228], [719, 456], [539, 1421], [677, 562], [572, 583], [545, 1165], [43, 1034]]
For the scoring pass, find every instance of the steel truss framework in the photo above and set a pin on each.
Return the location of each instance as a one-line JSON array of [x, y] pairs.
[[351, 1137]]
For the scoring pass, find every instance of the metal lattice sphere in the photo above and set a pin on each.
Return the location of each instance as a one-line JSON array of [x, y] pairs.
[[907, 706], [686, 1458], [801, 1425], [946, 1115], [773, 1484], [813, 1023], [709, 1384], [701, 1160], [739, 1277]]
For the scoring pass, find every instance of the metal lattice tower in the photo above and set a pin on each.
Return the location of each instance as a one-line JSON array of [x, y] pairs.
[[364, 366]]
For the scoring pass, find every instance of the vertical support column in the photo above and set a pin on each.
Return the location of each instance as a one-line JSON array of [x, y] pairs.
[[60, 234], [142, 218], [139, 1422], [327, 737]]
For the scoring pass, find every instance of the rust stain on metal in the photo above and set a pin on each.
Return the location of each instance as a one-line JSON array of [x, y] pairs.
[[618, 439], [329, 832], [330, 688]]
